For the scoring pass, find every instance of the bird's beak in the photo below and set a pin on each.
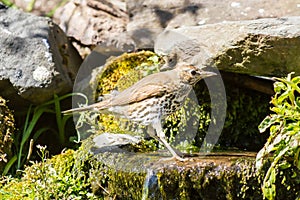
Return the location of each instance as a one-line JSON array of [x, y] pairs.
[[206, 74]]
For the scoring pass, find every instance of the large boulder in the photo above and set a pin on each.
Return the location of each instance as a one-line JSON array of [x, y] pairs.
[[37, 59], [148, 18], [269, 47]]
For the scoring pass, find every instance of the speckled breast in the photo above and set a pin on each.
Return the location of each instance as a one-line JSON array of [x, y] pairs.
[[173, 101]]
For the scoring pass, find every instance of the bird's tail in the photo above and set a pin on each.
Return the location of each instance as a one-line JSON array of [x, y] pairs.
[[77, 110]]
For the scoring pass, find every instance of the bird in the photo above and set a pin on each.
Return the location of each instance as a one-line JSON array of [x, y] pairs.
[[151, 99]]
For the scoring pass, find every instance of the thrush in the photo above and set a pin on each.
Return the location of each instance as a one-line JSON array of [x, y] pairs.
[[151, 99]]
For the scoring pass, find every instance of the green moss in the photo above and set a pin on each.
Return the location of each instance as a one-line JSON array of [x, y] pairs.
[[130, 175], [123, 71], [245, 110], [210, 181], [61, 177], [187, 127], [75, 175], [113, 180]]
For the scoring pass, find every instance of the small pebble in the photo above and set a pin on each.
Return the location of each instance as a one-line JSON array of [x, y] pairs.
[[261, 11], [235, 4], [243, 13], [202, 22]]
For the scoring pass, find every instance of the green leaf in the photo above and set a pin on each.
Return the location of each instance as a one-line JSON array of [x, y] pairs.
[[267, 122], [296, 80], [282, 148], [269, 188], [272, 178], [283, 96], [284, 165], [9, 165], [259, 159], [297, 102], [278, 86], [297, 158]]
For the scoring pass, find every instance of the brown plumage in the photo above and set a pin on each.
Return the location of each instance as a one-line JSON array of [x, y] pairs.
[[152, 98]]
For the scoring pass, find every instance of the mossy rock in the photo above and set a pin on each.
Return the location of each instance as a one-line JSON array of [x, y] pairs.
[[123, 71], [130, 175], [82, 174], [7, 128], [125, 174]]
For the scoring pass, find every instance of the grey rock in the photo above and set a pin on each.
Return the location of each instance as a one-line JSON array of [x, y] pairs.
[[37, 60], [99, 23], [268, 47], [148, 18]]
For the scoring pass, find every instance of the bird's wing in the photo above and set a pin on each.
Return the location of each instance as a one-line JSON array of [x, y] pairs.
[[150, 86], [144, 92], [133, 94], [154, 85]]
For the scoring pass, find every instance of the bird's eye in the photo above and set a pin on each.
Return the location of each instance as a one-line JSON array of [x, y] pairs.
[[193, 72]]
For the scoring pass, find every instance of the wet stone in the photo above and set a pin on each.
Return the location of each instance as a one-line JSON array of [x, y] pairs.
[[152, 175]]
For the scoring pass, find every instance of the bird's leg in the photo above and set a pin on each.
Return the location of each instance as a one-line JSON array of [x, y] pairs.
[[152, 133], [160, 136]]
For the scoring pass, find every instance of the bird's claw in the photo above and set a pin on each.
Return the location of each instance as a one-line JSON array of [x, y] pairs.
[[178, 158]]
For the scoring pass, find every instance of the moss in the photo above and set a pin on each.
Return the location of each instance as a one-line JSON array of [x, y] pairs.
[[209, 181], [7, 128], [245, 110], [74, 175], [123, 71], [214, 177], [114, 180], [129, 175], [64, 176]]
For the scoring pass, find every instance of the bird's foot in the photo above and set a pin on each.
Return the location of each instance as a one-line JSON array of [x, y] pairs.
[[179, 158], [174, 157]]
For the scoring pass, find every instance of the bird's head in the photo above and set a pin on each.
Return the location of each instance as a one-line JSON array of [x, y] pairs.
[[191, 74]]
